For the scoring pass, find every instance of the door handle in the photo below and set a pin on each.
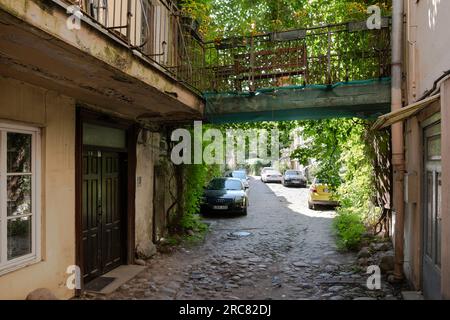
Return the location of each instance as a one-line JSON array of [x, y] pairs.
[[99, 208]]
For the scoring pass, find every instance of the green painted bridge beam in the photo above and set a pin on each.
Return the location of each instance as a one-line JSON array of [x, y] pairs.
[[363, 99]]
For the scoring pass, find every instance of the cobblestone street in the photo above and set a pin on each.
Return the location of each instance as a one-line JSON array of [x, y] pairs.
[[281, 250]]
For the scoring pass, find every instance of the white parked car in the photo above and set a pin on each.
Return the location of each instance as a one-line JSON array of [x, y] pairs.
[[266, 169], [272, 176]]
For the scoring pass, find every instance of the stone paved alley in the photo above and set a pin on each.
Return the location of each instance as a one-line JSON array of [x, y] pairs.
[[290, 253]]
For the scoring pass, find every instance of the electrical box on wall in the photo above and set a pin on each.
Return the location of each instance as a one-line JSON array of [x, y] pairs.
[[411, 187]]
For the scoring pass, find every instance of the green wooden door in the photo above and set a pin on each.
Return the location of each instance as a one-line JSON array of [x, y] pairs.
[[102, 213], [431, 261]]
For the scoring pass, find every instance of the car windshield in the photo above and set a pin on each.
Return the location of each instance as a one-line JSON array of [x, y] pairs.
[[292, 173], [321, 181], [239, 175], [224, 184], [273, 172], [267, 169]]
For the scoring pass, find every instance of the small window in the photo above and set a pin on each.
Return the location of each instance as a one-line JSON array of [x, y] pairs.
[[100, 136], [19, 216], [434, 148]]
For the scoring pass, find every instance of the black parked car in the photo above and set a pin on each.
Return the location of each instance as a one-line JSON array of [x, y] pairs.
[[225, 195]]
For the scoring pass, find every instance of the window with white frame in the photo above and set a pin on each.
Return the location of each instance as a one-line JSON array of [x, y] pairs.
[[19, 205]]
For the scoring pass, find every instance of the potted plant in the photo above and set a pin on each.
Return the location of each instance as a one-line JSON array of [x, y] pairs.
[[194, 13]]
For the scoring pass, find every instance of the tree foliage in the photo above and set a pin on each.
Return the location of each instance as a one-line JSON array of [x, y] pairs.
[[339, 146], [224, 18]]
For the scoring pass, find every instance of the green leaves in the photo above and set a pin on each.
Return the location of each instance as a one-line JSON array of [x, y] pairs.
[[349, 228], [325, 142], [344, 158], [236, 17]]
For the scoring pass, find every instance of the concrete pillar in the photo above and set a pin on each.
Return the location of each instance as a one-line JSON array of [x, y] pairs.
[[445, 240], [144, 195]]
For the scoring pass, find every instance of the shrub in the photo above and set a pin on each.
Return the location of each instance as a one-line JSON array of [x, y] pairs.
[[349, 228]]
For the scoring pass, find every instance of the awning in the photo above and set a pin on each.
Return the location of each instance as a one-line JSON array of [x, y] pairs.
[[403, 113]]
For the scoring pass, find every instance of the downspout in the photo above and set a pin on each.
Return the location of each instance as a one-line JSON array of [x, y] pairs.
[[398, 160]]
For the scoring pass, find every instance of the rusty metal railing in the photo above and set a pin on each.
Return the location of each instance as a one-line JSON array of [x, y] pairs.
[[153, 27], [320, 55]]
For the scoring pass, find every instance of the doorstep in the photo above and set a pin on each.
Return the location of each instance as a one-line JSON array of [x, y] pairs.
[[121, 275], [412, 295]]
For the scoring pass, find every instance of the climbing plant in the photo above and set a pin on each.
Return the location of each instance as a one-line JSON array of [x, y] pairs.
[[196, 176], [191, 179]]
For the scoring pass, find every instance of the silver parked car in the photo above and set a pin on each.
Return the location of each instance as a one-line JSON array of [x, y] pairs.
[[294, 178]]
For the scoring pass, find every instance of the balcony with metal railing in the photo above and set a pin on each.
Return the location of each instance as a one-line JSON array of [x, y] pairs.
[[144, 59], [154, 28], [129, 57], [223, 69], [311, 56]]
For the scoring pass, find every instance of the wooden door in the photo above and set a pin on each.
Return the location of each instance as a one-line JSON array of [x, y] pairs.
[[111, 213], [431, 261], [102, 213], [91, 224]]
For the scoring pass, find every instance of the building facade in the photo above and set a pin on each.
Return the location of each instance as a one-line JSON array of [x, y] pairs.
[[85, 90], [424, 214], [427, 148]]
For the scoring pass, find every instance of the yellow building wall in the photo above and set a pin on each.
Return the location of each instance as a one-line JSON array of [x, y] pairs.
[[55, 113]]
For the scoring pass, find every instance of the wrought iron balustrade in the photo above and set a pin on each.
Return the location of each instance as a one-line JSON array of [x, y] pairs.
[[321, 55], [153, 27]]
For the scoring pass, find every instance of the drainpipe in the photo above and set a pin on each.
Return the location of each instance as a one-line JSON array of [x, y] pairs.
[[398, 160]]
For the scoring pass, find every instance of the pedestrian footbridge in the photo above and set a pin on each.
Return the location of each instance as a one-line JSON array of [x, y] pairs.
[[331, 71]]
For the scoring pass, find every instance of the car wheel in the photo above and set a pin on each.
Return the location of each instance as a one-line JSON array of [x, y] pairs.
[[310, 206], [244, 212]]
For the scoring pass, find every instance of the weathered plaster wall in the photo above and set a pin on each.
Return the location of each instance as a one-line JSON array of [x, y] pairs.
[[146, 156], [445, 255], [426, 58], [427, 32], [56, 114], [89, 63], [412, 249]]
